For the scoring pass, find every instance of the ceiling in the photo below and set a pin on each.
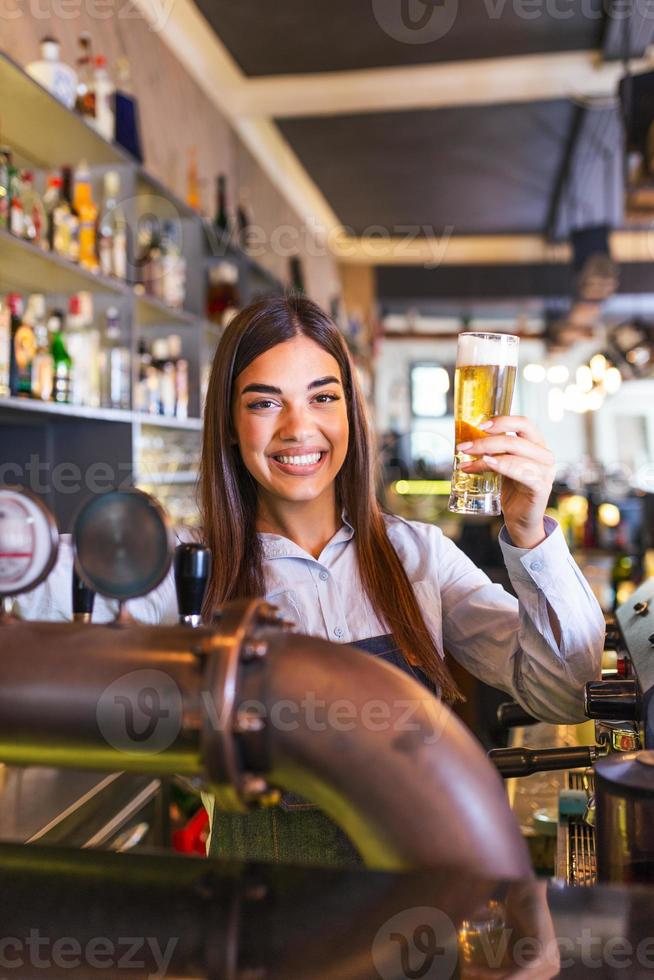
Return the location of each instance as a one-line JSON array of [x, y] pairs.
[[475, 170], [295, 36], [505, 165]]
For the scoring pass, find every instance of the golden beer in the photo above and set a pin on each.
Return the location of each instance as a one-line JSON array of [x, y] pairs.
[[484, 380]]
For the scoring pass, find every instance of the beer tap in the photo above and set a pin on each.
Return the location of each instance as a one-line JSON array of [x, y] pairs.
[[122, 542], [192, 564], [29, 544], [83, 600]]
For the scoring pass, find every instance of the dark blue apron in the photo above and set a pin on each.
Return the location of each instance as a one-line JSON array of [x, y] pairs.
[[296, 831]]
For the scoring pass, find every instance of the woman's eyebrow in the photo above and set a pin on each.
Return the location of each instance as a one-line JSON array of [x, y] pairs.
[[263, 389]]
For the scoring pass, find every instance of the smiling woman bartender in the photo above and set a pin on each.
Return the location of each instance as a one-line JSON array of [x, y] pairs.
[[289, 509]]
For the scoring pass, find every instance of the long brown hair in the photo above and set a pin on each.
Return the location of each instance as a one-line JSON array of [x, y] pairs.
[[228, 492]]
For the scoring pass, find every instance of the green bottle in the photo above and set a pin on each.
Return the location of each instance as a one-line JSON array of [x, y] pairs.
[[61, 360]]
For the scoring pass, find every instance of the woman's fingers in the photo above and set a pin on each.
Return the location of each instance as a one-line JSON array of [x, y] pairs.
[[518, 468], [514, 445], [518, 424]]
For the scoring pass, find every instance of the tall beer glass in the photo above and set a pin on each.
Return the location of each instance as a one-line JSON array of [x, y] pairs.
[[484, 379]]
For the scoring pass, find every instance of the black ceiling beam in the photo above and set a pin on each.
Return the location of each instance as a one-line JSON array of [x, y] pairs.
[[463, 283], [628, 36], [564, 176]]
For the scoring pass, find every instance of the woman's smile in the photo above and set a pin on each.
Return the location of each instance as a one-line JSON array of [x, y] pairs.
[[299, 464]]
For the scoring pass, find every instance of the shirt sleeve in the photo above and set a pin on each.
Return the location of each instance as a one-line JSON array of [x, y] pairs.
[[52, 601], [508, 642]]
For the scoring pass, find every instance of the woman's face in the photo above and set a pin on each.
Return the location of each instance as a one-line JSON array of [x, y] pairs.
[[290, 419]]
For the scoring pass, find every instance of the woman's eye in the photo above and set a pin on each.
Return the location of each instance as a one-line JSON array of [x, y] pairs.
[[264, 403], [332, 398]]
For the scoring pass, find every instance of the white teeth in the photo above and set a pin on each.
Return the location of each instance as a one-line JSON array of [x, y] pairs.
[[299, 460]]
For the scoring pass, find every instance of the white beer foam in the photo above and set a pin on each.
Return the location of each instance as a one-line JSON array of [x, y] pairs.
[[473, 350]]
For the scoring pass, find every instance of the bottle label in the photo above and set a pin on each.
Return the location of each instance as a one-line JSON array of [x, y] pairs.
[[24, 351]]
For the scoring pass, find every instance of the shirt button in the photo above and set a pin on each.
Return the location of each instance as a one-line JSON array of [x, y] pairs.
[[537, 565], [338, 631], [324, 576]]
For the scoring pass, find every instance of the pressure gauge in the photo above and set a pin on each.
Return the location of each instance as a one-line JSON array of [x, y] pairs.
[[123, 544], [29, 542]]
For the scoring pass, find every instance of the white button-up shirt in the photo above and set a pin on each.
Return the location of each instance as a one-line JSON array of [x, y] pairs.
[[505, 642]]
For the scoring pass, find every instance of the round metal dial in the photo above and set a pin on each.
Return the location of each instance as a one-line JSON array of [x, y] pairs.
[[123, 544], [29, 542]]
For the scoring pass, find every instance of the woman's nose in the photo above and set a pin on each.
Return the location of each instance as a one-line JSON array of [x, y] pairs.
[[295, 424]]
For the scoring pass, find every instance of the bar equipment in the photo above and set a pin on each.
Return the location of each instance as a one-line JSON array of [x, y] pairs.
[[29, 544], [192, 564], [202, 703]]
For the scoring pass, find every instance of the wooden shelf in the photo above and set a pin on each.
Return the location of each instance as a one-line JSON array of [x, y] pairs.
[[28, 268], [38, 127]]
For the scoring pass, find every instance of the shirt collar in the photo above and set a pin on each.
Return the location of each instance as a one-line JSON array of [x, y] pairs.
[[277, 546]]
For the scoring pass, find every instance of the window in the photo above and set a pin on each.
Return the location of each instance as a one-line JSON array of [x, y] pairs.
[[430, 384]]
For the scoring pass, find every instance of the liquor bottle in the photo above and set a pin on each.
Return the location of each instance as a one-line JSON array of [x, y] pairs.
[[22, 349], [83, 345], [112, 230], [16, 213], [192, 180], [128, 130], [42, 365], [85, 99], [70, 216], [88, 214], [103, 88], [146, 395], [167, 381], [296, 274], [172, 273], [50, 72], [61, 360], [244, 219], [221, 220], [56, 214], [115, 365], [181, 375], [34, 218], [5, 163], [222, 293], [5, 344]]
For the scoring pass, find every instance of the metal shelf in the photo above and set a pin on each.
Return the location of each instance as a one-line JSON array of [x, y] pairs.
[[152, 312], [158, 479], [38, 127], [26, 267], [35, 407], [155, 197], [167, 421]]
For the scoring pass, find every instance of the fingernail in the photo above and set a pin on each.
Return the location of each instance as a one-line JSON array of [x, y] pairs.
[[485, 425], [464, 445], [488, 459]]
